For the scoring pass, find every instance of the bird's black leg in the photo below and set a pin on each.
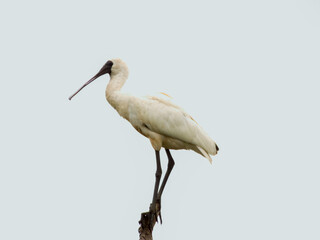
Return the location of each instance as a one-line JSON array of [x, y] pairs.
[[169, 169], [156, 185]]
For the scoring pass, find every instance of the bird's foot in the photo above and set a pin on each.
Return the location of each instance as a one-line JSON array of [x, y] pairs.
[[148, 219], [155, 211]]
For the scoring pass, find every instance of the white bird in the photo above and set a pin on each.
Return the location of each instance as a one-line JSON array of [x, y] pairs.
[[165, 124]]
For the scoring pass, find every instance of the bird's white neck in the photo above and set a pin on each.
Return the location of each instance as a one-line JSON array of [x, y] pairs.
[[116, 82], [117, 99]]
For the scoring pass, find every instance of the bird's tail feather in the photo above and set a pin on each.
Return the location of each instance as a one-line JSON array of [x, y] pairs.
[[205, 154]]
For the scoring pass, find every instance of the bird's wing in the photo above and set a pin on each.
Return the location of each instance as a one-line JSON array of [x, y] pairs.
[[166, 118]]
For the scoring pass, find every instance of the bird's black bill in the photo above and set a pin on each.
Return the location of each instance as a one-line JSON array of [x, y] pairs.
[[91, 80], [104, 70]]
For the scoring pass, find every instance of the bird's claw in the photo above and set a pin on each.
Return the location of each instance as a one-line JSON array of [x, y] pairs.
[[160, 218], [158, 210], [155, 211]]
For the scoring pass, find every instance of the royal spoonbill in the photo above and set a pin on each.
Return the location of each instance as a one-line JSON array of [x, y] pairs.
[[165, 124]]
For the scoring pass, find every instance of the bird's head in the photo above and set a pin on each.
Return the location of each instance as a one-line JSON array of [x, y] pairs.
[[118, 67], [112, 67]]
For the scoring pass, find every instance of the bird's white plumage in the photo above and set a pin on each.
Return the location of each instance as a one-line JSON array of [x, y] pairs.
[[164, 123]]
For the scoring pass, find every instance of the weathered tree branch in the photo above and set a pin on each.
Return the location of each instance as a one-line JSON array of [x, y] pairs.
[[147, 222]]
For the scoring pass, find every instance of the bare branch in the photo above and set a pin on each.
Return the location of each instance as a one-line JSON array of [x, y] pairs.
[[147, 222]]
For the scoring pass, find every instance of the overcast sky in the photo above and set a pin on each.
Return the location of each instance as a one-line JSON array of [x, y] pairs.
[[247, 71]]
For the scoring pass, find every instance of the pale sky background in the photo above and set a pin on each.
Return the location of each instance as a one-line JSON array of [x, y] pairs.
[[247, 71]]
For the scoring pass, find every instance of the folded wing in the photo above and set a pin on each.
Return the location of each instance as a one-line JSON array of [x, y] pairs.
[[166, 118]]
